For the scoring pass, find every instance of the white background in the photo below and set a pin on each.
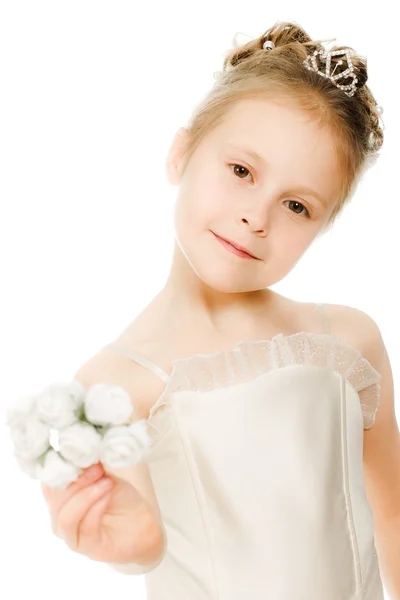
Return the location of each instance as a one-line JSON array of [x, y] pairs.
[[91, 96]]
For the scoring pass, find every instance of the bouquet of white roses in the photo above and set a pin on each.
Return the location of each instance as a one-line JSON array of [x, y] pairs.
[[66, 428]]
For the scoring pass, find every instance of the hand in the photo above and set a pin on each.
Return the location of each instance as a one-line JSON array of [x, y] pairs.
[[103, 517]]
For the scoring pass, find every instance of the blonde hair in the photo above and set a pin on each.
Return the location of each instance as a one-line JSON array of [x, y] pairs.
[[249, 71]]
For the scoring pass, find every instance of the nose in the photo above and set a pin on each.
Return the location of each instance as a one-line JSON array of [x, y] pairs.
[[258, 213], [256, 223]]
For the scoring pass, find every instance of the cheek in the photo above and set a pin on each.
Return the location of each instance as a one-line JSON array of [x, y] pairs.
[[196, 211], [292, 247]]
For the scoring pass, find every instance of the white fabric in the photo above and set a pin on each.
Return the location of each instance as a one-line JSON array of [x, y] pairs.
[[257, 462], [250, 359], [260, 486]]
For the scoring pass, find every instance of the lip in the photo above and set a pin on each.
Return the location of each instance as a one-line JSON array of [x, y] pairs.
[[240, 248]]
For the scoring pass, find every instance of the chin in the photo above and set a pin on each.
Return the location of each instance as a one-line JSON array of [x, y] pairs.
[[219, 279]]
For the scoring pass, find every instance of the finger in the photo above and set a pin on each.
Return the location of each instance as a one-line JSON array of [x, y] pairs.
[[57, 498], [67, 520], [86, 476], [90, 524]]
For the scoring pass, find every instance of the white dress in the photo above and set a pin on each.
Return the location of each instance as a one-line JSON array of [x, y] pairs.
[[257, 464]]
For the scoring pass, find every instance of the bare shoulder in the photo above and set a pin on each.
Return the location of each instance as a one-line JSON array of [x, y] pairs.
[[381, 448], [144, 335], [361, 331], [109, 366], [358, 329]]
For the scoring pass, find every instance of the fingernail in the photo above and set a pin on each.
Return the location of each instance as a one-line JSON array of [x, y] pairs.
[[104, 483], [93, 471]]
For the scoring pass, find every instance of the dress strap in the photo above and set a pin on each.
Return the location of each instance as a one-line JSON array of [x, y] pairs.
[[141, 360], [323, 317]]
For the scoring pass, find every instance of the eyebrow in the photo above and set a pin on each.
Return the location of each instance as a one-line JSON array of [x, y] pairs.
[[262, 160]]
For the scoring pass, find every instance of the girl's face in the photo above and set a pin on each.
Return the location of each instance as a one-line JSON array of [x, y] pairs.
[[258, 203]]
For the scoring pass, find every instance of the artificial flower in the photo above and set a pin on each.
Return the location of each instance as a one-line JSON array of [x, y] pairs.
[[107, 404], [80, 444], [56, 472], [124, 445], [58, 403]]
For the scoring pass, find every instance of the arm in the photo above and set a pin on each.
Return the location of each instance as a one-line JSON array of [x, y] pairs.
[[381, 451], [150, 527], [145, 563], [382, 470], [115, 369]]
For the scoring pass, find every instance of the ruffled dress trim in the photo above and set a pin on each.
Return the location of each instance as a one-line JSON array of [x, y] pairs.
[[250, 359]]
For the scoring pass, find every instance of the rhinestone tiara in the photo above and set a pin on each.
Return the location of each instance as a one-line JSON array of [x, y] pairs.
[[325, 55]]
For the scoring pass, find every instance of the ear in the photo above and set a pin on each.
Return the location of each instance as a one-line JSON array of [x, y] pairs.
[[175, 154]]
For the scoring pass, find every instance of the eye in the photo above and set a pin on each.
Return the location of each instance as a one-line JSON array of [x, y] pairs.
[[241, 168], [307, 215]]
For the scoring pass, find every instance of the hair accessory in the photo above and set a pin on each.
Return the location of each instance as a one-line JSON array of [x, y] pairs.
[[325, 56], [268, 45]]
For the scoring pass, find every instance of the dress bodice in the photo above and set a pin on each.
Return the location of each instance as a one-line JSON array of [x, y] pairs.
[[257, 462]]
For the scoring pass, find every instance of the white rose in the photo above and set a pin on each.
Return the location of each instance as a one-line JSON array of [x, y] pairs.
[[80, 444], [57, 473], [20, 410], [107, 404], [57, 404], [125, 445], [140, 431], [31, 438], [30, 467]]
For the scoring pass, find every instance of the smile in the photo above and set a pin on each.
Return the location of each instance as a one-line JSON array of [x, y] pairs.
[[229, 246]]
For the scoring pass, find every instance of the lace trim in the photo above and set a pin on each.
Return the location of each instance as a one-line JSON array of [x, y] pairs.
[[250, 359]]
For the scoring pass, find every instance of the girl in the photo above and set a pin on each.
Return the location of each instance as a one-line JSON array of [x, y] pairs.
[[262, 410]]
